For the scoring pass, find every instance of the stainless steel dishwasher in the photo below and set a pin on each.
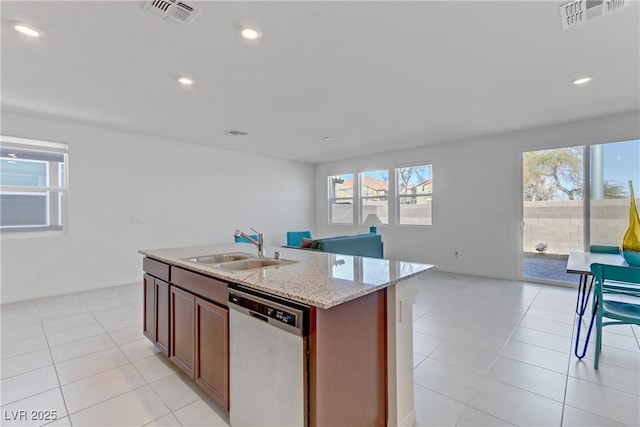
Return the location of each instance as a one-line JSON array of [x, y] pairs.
[[268, 360]]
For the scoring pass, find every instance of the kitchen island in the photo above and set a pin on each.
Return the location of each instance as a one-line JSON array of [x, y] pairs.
[[359, 369]]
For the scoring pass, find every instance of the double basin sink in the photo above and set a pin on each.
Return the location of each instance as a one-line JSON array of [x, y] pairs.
[[238, 261]]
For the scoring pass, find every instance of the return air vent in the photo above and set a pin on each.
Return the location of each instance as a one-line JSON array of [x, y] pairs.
[[177, 11], [579, 11], [236, 132]]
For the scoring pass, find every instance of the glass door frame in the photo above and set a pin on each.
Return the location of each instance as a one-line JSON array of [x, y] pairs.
[[586, 210]]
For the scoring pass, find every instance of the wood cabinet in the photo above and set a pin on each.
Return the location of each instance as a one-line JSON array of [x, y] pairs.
[[149, 298], [163, 317], [156, 310], [183, 348], [348, 363], [200, 331], [212, 350]]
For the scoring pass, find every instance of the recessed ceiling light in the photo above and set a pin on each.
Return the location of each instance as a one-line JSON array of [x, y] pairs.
[[185, 81], [250, 33], [25, 29], [582, 81]]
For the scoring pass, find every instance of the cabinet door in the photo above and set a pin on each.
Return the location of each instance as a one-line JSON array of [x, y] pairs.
[[162, 316], [183, 306], [212, 350], [149, 289]]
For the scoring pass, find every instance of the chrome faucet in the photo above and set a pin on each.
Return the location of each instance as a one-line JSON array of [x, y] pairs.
[[259, 243]]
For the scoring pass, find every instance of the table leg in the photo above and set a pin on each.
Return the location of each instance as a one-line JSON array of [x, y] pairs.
[[586, 342], [583, 294]]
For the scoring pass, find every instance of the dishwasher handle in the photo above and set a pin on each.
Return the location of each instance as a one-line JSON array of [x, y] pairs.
[[258, 316]]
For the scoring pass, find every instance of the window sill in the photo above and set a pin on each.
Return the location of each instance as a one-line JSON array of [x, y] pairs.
[[31, 234]]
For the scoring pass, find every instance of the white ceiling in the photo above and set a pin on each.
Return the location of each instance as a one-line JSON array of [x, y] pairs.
[[375, 76]]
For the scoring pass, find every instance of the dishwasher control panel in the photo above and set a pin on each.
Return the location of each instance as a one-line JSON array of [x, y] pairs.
[[290, 316], [264, 308]]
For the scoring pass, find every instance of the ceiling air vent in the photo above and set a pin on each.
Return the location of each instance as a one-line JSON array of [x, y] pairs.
[[236, 132], [177, 11], [578, 11]]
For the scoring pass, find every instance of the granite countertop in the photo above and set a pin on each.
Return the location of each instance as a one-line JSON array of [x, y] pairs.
[[320, 279]]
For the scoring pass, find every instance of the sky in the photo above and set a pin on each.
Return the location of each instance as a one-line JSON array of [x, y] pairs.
[[622, 163]]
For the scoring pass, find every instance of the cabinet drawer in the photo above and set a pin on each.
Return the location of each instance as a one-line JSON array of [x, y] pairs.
[[156, 268], [203, 286]]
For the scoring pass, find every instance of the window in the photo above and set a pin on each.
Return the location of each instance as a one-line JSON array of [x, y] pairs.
[[414, 194], [32, 185], [341, 199], [612, 166], [374, 195], [574, 197]]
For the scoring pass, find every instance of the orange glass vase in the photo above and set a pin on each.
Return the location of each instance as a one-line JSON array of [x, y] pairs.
[[631, 240]]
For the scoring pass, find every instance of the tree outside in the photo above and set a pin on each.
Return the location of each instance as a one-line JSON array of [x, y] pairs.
[[554, 174], [557, 174]]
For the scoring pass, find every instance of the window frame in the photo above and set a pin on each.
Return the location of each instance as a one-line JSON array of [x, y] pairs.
[[60, 191], [335, 200], [362, 198], [399, 196]]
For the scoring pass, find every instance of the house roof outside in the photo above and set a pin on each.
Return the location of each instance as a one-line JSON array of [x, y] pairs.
[[367, 182]]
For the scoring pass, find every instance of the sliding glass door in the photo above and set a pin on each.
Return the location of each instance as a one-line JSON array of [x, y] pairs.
[[612, 167], [553, 210], [556, 183]]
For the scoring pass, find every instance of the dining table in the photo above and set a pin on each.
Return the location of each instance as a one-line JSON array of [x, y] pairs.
[[580, 263]]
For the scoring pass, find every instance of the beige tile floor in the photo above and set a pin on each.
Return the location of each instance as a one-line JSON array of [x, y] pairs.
[[486, 353]]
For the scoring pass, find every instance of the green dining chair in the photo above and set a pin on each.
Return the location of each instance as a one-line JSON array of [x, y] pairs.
[[586, 283], [611, 280], [601, 249]]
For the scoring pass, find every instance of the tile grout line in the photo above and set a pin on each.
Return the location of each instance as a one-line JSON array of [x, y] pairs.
[[55, 369], [566, 387], [502, 355], [90, 312], [129, 362], [493, 365], [30, 370], [30, 396], [566, 381], [54, 363], [147, 383], [153, 390], [484, 412], [110, 398]]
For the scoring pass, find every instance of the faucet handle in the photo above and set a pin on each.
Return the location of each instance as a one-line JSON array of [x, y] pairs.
[[255, 231]]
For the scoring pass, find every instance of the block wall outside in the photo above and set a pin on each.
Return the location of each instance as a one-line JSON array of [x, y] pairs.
[[411, 214], [560, 224]]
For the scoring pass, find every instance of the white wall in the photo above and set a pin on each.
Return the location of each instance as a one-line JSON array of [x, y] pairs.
[[483, 173], [186, 194]]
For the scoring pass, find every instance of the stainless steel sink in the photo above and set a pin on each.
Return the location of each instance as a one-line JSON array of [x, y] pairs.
[[220, 258], [253, 264], [238, 261]]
